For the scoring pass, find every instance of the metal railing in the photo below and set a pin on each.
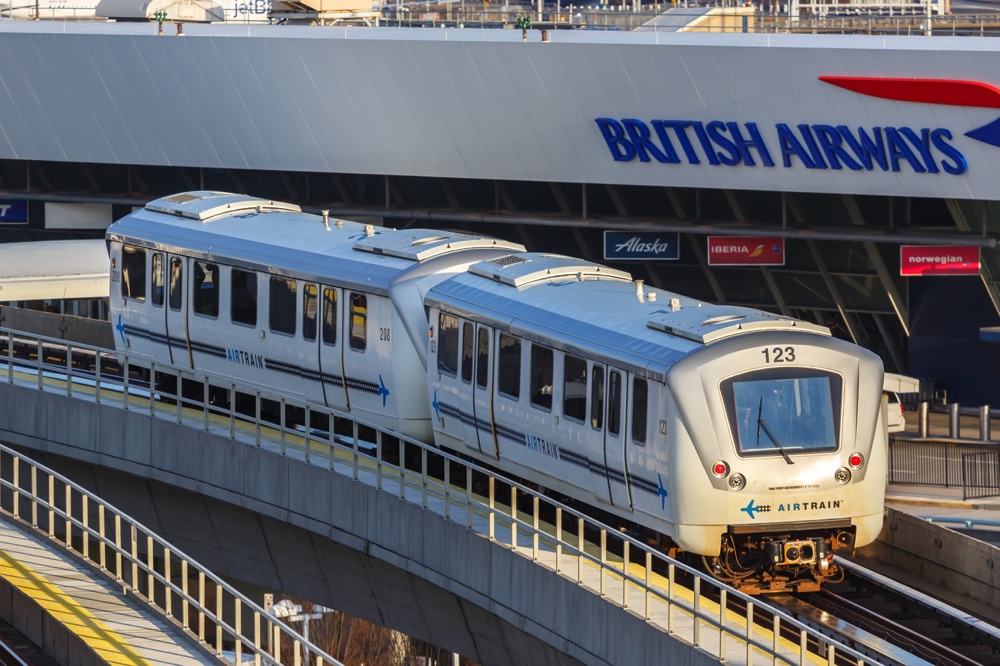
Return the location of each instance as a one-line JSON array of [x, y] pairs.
[[146, 566], [684, 602], [981, 474], [974, 467]]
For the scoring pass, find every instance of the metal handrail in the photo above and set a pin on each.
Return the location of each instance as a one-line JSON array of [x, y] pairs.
[[619, 568], [144, 564]]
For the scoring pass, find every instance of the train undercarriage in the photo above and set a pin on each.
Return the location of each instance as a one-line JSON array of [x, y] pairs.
[[798, 558]]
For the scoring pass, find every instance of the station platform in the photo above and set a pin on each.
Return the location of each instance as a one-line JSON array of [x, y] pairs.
[[105, 625]]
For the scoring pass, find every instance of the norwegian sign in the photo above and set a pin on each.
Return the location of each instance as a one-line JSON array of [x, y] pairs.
[[746, 251], [645, 245], [938, 260], [13, 211]]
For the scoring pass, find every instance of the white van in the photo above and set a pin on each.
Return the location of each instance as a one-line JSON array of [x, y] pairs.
[[892, 386], [897, 419]]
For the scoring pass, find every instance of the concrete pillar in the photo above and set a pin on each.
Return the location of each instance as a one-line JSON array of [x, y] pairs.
[[984, 423], [953, 430], [922, 419]]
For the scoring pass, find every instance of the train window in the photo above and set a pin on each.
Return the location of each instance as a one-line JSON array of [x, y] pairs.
[[781, 412], [575, 388], [243, 301], [467, 344], [447, 343], [640, 399], [541, 377], [281, 305], [483, 359], [159, 279], [615, 403], [597, 398], [509, 382], [206, 289], [329, 316], [176, 283], [359, 321], [134, 273], [309, 312]]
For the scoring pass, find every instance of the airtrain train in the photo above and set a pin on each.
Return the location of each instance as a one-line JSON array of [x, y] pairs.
[[752, 440]]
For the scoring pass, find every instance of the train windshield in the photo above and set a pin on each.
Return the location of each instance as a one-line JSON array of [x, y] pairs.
[[784, 412]]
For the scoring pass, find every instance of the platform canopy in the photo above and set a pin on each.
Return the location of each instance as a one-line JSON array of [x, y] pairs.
[[50, 270]]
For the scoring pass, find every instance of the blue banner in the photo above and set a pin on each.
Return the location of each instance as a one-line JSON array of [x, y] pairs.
[[641, 245], [13, 211]]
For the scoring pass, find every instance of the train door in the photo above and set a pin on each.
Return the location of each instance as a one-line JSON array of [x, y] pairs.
[[482, 393], [465, 396], [614, 440], [597, 421], [157, 301], [176, 313], [368, 358], [331, 349]]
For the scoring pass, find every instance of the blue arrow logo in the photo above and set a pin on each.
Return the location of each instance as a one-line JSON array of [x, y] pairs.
[[662, 492], [121, 327], [382, 390]]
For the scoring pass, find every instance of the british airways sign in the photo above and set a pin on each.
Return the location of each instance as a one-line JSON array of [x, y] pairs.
[[886, 148]]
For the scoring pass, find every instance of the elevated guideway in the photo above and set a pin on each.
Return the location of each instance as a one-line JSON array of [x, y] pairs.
[[74, 580], [382, 527]]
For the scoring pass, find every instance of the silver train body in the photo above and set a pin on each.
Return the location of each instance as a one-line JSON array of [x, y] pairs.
[[753, 440]]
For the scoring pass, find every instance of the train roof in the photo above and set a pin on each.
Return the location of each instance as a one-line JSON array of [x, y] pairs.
[[278, 238], [586, 308]]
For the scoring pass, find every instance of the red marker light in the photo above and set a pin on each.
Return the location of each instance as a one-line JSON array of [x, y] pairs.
[[856, 460], [720, 469]]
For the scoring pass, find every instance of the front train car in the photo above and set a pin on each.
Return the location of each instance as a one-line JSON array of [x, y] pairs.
[[784, 424], [751, 440]]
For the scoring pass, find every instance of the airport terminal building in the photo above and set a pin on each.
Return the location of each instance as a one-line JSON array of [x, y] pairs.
[[849, 181]]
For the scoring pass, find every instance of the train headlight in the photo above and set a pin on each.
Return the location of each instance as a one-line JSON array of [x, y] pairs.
[[842, 475], [720, 469], [737, 482], [856, 460]]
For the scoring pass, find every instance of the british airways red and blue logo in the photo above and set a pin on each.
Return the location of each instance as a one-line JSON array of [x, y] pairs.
[[815, 146]]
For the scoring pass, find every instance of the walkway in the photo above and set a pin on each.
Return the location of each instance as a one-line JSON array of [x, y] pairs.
[[118, 628]]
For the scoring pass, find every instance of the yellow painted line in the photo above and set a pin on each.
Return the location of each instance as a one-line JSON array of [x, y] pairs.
[[109, 646]]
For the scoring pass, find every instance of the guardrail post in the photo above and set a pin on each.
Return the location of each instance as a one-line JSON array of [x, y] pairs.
[[923, 418], [984, 423], [953, 422]]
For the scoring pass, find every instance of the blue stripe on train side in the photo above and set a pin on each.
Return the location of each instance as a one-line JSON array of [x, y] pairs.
[[566, 455], [354, 383]]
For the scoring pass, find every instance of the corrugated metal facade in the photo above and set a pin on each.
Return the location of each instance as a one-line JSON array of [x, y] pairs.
[[482, 104]]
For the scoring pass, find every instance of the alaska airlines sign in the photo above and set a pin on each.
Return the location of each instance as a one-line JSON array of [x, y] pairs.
[[814, 146]]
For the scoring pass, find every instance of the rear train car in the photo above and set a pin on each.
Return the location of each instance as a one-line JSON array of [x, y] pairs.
[[753, 440], [324, 310]]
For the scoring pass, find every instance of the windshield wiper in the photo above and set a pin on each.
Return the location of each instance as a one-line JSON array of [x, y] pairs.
[[761, 423]]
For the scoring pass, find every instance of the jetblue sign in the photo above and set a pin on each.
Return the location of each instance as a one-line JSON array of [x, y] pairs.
[[726, 143], [13, 211], [629, 245]]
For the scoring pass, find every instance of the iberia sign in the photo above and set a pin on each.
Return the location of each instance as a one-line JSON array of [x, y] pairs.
[[938, 260], [746, 251]]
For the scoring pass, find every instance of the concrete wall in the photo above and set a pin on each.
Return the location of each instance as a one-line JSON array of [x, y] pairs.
[[939, 556], [62, 327], [276, 523]]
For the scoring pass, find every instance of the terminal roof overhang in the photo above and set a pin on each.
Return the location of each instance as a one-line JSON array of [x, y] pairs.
[[482, 104], [53, 270]]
